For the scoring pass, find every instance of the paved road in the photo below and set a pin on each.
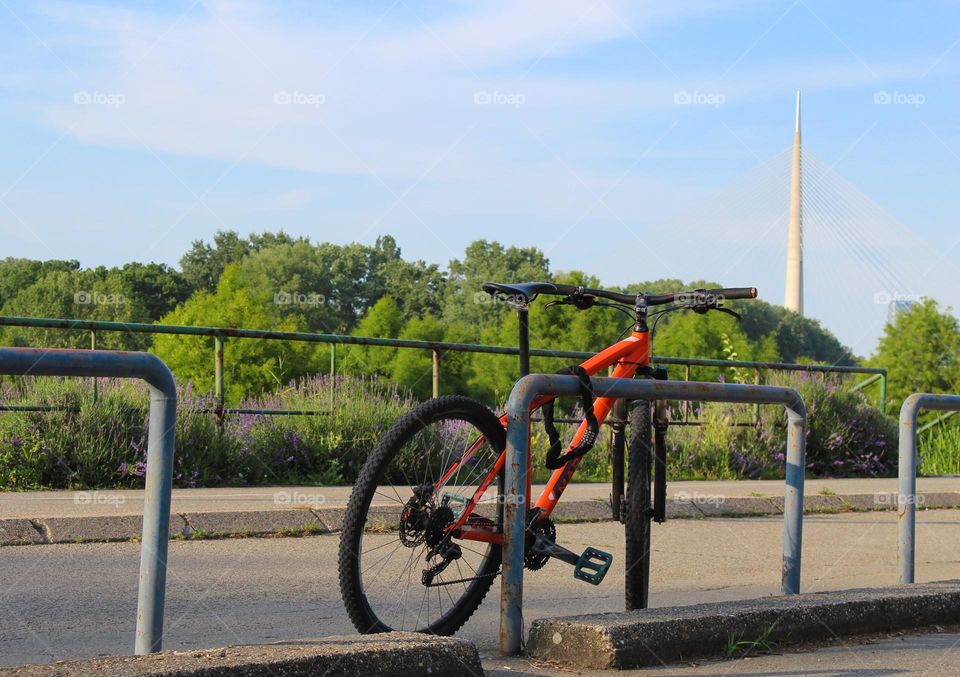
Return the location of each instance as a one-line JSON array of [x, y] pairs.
[[73, 601], [31, 504]]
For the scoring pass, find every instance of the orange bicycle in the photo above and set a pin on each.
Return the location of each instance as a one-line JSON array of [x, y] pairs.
[[422, 534]]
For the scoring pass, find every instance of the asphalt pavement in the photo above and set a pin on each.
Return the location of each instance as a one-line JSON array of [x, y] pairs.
[[73, 601]]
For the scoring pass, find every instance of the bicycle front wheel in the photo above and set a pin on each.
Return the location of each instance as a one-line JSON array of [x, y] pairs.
[[638, 511], [401, 567]]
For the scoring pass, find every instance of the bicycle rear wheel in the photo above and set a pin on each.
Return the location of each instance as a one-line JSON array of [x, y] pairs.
[[395, 527]]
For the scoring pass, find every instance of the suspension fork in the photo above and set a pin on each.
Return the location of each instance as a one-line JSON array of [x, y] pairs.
[[661, 417]]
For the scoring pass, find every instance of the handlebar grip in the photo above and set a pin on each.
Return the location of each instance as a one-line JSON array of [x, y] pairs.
[[735, 293]]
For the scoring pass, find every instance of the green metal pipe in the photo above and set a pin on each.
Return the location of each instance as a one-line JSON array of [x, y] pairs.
[[937, 421], [229, 332], [883, 392], [93, 346], [333, 377], [218, 379], [866, 382]]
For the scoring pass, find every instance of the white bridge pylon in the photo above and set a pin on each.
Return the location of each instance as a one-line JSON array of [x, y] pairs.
[[859, 263]]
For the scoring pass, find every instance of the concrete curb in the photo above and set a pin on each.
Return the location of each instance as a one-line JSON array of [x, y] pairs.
[[304, 522], [671, 634], [396, 653]]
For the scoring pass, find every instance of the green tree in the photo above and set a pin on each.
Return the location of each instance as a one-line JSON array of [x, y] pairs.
[[797, 338], [920, 349], [251, 366], [413, 369], [485, 261], [97, 294], [203, 264], [713, 336], [383, 321], [418, 287], [17, 274], [156, 286]]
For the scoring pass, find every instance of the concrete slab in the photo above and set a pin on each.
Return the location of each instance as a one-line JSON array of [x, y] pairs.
[[101, 528], [679, 509], [868, 502], [332, 518], [938, 499], [582, 511], [29, 504], [670, 634], [19, 532], [395, 653], [723, 506], [252, 522]]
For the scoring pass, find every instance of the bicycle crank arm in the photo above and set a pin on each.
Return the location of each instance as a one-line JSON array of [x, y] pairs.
[[543, 546], [591, 566]]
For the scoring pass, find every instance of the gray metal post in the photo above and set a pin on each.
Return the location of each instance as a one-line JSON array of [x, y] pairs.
[[156, 516], [514, 526], [529, 388], [160, 448], [907, 474], [793, 500]]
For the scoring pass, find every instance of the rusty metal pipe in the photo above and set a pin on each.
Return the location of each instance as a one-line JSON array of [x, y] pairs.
[[515, 500]]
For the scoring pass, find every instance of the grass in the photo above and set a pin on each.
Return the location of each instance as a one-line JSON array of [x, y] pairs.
[[939, 450], [737, 647], [827, 491]]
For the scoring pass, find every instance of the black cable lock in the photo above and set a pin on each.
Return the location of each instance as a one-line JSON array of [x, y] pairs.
[[554, 458]]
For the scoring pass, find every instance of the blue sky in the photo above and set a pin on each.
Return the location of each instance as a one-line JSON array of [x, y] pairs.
[[131, 129]]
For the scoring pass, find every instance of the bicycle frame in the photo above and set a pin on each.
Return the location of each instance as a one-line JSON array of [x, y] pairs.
[[625, 356]]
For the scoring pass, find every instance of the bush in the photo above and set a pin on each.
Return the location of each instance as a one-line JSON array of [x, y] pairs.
[[103, 443], [845, 437]]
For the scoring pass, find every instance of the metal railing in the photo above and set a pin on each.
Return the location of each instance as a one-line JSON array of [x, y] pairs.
[[160, 446], [907, 474], [220, 336], [515, 500]]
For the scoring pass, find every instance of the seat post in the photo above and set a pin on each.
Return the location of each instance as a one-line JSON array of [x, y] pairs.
[[523, 315]]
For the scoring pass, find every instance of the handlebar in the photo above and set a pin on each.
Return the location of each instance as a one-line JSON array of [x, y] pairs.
[[694, 297]]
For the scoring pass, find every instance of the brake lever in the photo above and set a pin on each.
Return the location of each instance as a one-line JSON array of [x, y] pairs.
[[729, 312], [581, 301], [704, 308]]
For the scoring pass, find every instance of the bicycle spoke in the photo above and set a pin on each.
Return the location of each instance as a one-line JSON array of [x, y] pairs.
[[402, 516]]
